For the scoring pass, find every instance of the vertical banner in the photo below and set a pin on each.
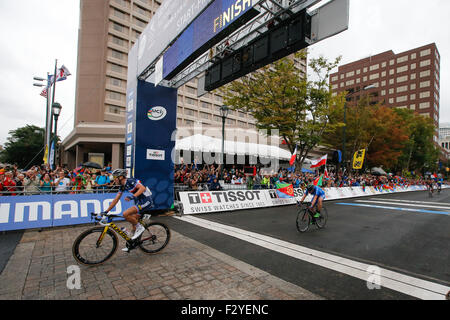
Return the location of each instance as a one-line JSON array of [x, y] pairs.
[[154, 136], [358, 159]]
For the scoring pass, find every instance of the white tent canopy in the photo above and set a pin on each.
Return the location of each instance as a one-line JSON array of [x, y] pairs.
[[202, 143]]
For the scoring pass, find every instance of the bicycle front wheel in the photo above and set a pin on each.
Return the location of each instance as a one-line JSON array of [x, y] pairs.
[[155, 238], [93, 247], [303, 220], [322, 220]]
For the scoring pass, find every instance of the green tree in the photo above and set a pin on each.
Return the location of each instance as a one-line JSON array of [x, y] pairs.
[[279, 97], [24, 147], [420, 152], [369, 126]]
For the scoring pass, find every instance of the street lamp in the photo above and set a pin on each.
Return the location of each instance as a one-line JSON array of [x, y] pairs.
[[224, 110], [345, 118], [47, 108], [56, 111]]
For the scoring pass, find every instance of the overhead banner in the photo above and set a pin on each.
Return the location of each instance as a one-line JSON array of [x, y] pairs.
[[169, 21], [218, 20]]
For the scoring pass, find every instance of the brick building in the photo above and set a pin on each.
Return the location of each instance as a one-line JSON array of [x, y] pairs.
[[405, 80]]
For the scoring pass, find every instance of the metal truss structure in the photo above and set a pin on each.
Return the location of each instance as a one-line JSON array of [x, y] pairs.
[[271, 13]]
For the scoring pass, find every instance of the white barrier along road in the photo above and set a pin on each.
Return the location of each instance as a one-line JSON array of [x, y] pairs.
[[230, 200]]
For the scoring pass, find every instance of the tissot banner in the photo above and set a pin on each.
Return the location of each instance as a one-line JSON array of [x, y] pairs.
[[231, 200]]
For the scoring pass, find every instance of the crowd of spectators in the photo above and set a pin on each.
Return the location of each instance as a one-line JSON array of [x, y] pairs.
[[42, 180], [207, 177]]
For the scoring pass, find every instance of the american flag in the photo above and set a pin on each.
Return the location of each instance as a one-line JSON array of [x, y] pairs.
[[44, 93]]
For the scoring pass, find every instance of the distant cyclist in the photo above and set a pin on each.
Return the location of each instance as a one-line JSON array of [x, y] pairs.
[[429, 184], [316, 203], [439, 183], [141, 195]]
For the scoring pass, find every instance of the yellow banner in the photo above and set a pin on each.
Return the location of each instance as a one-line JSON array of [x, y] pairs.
[[45, 155], [358, 159]]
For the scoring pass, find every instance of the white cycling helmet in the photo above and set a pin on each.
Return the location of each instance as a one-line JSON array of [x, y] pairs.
[[119, 172]]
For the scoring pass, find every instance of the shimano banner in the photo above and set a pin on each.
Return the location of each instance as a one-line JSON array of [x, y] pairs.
[[41, 211]]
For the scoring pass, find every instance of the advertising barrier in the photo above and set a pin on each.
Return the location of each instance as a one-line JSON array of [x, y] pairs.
[[41, 211], [229, 200]]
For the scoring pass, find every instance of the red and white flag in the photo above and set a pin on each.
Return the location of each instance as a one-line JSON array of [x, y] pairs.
[[293, 157], [62, 73], [319, 162], [44, 93]]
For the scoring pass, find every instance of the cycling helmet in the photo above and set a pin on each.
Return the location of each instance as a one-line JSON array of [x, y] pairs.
[[119, 172], [310, 187]]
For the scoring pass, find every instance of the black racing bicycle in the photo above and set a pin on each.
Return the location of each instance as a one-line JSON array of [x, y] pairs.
[[305, 217], [99, 244]]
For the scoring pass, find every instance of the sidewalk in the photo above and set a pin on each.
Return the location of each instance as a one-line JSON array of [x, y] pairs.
[[185, 269]]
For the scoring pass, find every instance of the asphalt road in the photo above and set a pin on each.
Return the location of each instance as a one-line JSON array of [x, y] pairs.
[[408, 233]]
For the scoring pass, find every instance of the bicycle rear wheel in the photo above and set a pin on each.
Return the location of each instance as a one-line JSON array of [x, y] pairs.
[[155, 237], [89, 248], [303, 220], [322, 220]]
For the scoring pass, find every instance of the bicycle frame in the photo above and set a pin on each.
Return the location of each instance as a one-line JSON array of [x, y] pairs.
[[112, 225]]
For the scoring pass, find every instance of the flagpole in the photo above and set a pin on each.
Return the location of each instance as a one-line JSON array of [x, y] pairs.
[[50, 113], [46, 110]]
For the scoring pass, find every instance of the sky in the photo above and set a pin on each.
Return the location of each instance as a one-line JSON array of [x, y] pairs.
[[35, 33]]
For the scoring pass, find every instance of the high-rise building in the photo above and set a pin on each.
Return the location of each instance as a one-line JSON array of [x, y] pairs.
[[405, 80], [107, 31]]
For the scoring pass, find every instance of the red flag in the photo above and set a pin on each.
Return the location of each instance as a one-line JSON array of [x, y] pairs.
[[319, 162], [293, 157]]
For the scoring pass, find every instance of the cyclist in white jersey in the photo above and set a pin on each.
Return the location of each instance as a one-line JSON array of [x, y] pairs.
[[141, 195]]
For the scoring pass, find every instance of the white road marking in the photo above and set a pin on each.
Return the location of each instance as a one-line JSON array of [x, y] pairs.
[[411, 201], [406, 204], [415, 287]]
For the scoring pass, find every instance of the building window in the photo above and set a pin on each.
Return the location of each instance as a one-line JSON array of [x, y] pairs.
[[391, 81], [374, 67], [425, 73], [412, 97], [412, 107], [391, 91], [191, 101], [204, 115], [402, 79], [425, 63], [383, 83], [383, 74], [402, 59], [391, 72], [413, 76], [412, 86], [191, 90], [115, 82], [402, 69], [425, 52], [358, 71], [365, 69], [424, 105], [350, 83], [425, 94], [118, 41], [413, 56], [335, 78], [374, 76], [391, 62], [391, 100], [364, 78], [117, 55], [118, 27], [117, 68], [424, 84], [402, 89], [413, 66], [402, 99], [116, 96], [383, 64], [383, 92], [350, 74]]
